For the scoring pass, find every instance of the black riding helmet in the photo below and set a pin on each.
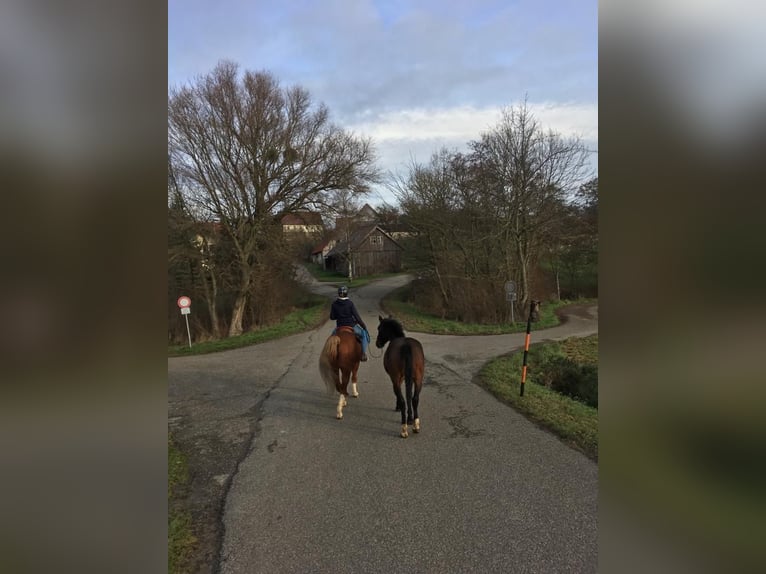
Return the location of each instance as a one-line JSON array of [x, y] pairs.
[[342, 291]]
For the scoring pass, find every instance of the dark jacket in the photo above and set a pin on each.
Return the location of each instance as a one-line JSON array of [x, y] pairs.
[[345, 314]]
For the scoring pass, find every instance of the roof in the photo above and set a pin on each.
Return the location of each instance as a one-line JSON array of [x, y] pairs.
[[399, 228], [302, 218], [357, 237], [365, 214], [367, 211], [320, 247]]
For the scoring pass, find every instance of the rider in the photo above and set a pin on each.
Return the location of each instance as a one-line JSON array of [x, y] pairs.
[[344, 312]]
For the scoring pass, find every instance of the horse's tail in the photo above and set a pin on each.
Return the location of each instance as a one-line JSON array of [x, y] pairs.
[[327, 358], [407, 357]]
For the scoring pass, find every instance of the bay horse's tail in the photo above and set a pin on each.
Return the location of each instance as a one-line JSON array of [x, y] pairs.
[[328, 364], [407, 357]]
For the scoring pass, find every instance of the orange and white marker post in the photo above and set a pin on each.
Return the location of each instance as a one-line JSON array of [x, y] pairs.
[[532, 307]]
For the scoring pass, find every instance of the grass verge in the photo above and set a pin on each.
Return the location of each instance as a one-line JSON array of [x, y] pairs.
[[180, 538], [574, 422], [298, 321], [396, 304]]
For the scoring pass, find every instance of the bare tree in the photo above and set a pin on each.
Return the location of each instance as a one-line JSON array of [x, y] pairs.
[[247, 151], [344, 207], [190, 243], [530, 173]]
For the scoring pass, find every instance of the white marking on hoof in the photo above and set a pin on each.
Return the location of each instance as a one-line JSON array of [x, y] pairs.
[[339, 415], [416, 426], [404, 431], [354, 392], [341, 404]]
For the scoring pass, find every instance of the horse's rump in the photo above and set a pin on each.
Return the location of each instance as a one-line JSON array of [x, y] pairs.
[[341, 352]]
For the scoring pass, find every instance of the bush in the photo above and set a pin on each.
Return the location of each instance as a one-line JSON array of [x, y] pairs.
[[564, 376]]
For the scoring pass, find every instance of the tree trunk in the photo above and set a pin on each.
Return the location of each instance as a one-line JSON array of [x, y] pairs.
[[524, 276], [235, 327], [445, 299], [211, 305]]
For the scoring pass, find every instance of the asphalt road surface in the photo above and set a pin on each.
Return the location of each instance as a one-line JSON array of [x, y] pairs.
[[479, 489]]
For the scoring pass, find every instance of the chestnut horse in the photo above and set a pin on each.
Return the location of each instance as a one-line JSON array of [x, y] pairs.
[[339, 362], [404, 361]]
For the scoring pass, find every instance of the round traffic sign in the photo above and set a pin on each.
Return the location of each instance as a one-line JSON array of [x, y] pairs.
[[184, 302]]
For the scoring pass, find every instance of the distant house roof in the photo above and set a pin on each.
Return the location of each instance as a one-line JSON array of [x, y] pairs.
[[367, 212], [321, 246], [398, 228], [302, 218], [357, 238]]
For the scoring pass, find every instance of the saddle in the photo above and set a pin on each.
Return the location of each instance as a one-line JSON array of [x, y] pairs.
[[348, 329]]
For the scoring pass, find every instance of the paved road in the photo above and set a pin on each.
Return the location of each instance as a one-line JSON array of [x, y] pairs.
[[479, 489]]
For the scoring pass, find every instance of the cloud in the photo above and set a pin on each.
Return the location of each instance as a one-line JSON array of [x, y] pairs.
[[399, 134]]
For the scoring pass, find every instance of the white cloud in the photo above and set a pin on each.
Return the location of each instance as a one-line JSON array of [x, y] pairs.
[[464, 123], [415, 134]]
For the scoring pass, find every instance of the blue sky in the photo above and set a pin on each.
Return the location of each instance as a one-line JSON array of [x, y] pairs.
[[413, 75]]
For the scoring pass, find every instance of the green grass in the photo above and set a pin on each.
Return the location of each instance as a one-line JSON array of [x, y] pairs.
[[180, 538], [298, 321], [582, 350], [413, 319], [574, 422]]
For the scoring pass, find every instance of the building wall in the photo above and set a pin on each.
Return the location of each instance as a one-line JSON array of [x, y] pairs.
[[375, 254]]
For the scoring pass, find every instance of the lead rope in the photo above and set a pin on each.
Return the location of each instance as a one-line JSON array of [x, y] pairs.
[[369, 350]]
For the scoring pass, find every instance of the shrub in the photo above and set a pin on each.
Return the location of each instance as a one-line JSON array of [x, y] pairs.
[[564, 376]]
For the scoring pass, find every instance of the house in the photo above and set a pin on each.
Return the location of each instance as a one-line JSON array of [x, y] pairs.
[[365, 215], [399, 231], [372, 251], [307, 222], [320, 251]]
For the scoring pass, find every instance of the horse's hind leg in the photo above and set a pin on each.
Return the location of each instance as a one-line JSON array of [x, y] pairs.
[[342, 402], [354, 379], [403, 409], [415, 401], [408, 385], [339, 409]]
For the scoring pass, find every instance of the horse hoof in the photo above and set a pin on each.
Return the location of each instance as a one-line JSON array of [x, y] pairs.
[[355, 395], [338, 416], [416, 426], [404, 431]]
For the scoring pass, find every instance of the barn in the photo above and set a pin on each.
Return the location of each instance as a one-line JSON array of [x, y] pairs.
[[372, 251]]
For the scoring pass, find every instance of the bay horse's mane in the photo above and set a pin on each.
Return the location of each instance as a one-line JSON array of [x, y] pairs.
[[391, 328]]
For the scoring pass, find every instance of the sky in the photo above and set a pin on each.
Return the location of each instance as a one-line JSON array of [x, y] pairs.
[[413, 75]]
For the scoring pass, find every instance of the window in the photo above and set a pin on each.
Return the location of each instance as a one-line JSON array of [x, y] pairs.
[[376, 240]]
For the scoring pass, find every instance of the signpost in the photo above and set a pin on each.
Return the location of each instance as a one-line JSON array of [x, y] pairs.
[[510, 296], [184, 303]]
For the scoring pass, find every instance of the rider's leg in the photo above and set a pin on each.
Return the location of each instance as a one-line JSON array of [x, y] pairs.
[[361, 334]]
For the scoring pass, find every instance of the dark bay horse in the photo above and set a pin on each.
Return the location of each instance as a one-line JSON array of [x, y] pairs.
[[404, 361], [339, 362]]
